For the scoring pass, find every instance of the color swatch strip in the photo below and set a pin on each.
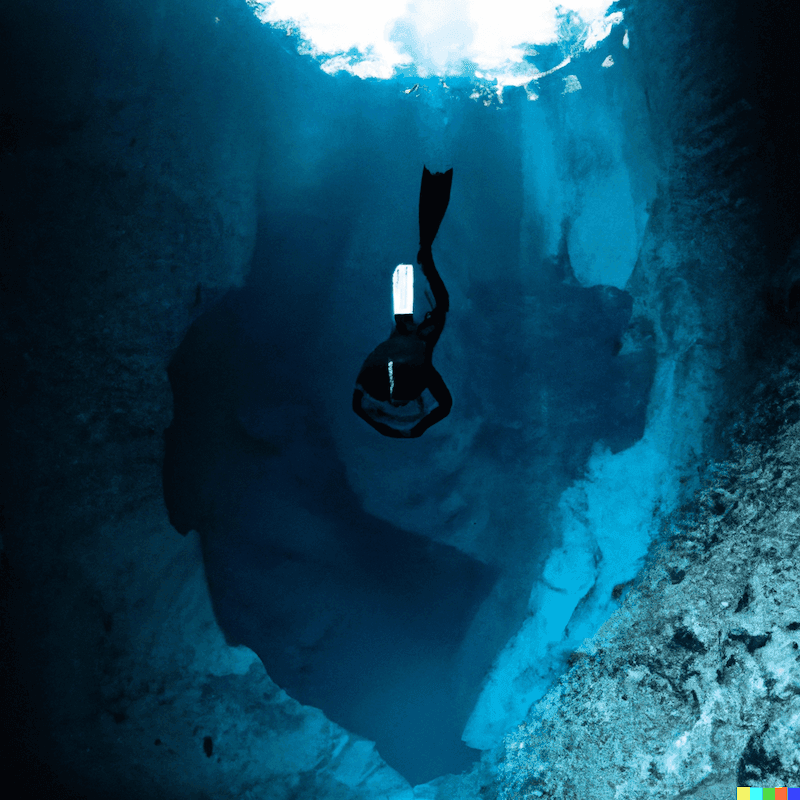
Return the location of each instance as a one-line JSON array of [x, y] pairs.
[[753, 793]]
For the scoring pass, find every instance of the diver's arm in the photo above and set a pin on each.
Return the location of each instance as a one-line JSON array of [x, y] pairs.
[[441, 394], [386, 430]]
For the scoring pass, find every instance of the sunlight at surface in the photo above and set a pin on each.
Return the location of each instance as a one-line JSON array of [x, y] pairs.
[[490, 41]]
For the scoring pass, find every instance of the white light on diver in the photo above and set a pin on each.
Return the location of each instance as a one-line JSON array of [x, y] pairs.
[[391, 379], [403, 289]]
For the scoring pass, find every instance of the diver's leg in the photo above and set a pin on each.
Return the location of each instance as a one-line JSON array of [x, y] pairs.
[[434, 196], [440, 296]]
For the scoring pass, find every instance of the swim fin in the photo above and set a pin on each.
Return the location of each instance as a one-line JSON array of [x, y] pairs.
[[434, 195]]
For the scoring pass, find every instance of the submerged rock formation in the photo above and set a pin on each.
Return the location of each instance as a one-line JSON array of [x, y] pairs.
[[693, 686]]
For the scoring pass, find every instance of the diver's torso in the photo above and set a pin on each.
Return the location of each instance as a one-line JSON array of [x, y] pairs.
[[406, 349]]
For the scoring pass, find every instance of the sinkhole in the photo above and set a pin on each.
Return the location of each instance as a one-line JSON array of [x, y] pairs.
[[423, 593]]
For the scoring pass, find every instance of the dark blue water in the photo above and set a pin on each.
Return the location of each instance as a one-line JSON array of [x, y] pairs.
[[366, 619], [348, 612]]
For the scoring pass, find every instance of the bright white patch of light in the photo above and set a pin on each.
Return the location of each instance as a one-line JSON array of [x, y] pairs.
[[391, 379], [485, 39], [336, 28], [608, 62], [600, 27], [403, 289]]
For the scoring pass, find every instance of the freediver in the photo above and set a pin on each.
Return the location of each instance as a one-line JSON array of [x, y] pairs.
[[398, 391]]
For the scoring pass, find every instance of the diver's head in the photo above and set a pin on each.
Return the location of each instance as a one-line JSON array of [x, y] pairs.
[[404, 324]]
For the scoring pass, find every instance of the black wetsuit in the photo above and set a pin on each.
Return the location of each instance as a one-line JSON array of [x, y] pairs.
[[398, 391]]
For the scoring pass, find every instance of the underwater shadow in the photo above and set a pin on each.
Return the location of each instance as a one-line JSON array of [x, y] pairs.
[[348, 613]]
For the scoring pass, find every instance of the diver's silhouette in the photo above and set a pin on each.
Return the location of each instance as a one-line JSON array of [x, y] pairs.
[[398, 391]]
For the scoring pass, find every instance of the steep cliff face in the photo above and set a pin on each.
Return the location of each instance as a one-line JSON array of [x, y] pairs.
[[129, 204], [131, 170], [690, 688]]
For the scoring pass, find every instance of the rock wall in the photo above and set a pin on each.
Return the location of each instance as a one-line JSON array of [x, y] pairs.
[[690, 688], [132, 168]]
